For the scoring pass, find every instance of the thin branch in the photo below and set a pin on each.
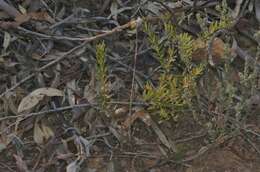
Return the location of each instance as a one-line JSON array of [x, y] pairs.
[[134, 68], [65, 108]]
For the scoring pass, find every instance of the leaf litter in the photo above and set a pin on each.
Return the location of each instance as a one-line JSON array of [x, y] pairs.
[[51, 118]]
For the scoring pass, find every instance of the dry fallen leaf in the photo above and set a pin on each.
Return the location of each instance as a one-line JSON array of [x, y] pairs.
[[73, 167], [8, 24], [8, 9], [257, 10], [145, 117], [7, 40], [2, 147], [41, 133], [40, 16], [120, 112], [201, 52], [36, 96], [89, 91], [71, 85], [21, 165], [141, 114], [236, 11]]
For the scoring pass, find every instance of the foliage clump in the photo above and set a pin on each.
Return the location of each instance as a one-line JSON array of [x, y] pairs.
[[102, 75], [224, 21], [176, 90], [176, 87]]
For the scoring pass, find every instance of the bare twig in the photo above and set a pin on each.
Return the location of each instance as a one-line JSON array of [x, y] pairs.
[[191, 138], [7, 167], [47, 7], [25, 116], [199, 5], [52, 37], [62, 21], [65, 108], [202, 151], [252, 144], [134, 68]]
